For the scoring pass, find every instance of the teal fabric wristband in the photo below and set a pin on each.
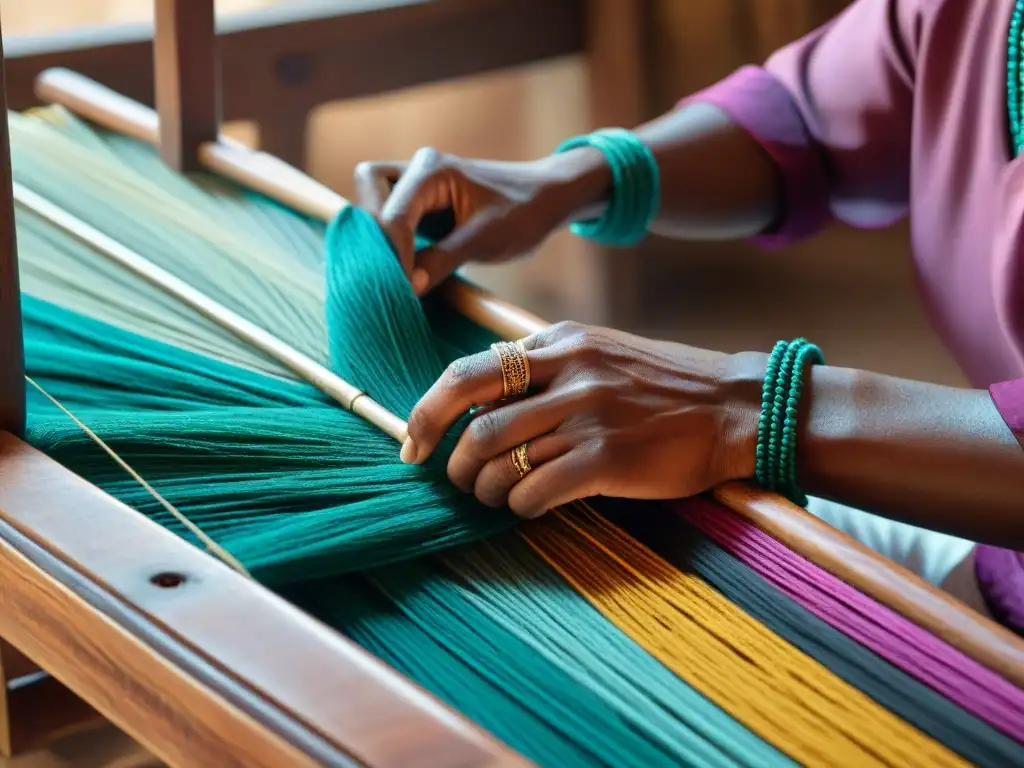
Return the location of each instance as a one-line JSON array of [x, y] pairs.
[[775, 461], [636, 187]]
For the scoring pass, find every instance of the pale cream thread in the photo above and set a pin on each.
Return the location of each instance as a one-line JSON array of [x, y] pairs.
[[211, 545]]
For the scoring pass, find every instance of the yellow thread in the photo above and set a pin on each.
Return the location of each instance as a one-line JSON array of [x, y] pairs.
[[774, 689], [210, 544]]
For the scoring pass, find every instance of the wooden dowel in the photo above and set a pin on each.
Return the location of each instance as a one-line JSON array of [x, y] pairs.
[[978, 637], [349, 396], [187, 80], [252, 169]]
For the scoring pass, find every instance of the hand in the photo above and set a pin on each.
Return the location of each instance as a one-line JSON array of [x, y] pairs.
[[500, 210], [609, 414]]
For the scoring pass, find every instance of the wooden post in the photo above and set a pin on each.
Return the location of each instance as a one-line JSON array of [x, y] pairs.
[[615, 43], [12, 358], [285, 136], [187, 80]]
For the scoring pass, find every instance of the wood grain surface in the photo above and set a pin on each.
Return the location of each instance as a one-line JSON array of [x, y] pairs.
[[105, 586]]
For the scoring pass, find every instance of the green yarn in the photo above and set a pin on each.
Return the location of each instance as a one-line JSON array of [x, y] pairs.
[[530, 641], [636, 187], [305, 494], [254, 461]]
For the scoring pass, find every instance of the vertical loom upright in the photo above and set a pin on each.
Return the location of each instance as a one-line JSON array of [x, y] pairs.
[[12, 363]]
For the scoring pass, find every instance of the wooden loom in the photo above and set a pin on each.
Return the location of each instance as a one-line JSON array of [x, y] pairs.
[[199, 664]]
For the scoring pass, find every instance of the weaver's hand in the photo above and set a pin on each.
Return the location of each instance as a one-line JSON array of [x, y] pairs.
[[606, 414], [496, 211]]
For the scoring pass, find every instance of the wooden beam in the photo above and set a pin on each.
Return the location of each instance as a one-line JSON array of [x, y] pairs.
[[286, 137], [616, 34], [292, 57], [12, 358], [187, 80], [170, 713], [207, 668]]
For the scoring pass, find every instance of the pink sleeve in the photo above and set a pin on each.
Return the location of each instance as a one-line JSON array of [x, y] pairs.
[[834, 111], [1009, 399]]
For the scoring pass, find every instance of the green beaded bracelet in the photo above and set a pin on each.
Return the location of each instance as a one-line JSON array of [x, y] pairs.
[[765, 458], [636, 187], [775, 460]]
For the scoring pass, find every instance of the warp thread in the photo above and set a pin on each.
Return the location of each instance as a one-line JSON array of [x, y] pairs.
[[687, 548], [788, 698], [904, 644]]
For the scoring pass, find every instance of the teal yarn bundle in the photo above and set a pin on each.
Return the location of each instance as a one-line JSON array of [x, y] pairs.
[[255, 460]]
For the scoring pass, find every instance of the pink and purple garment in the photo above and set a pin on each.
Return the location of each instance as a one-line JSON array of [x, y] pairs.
[[898, 107]]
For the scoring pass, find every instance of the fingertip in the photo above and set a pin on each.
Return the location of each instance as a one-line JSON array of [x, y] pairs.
[[409, 452], [402, 243], [420, 281], [436, 263]]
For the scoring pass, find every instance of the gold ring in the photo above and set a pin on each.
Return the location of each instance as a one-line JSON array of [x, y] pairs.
[[520, 461], [515, 367]]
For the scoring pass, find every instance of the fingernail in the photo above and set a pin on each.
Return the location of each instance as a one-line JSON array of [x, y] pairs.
[[419, 281], [409, 451]]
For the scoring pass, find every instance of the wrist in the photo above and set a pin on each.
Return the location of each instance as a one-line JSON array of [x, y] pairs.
[[764, 429], [578, 183], [830, 422], [742, 380]]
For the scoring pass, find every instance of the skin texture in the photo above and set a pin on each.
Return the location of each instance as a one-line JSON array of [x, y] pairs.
[[613, 414]]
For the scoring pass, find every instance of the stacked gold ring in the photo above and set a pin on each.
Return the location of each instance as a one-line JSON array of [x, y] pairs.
[[515, 367], [520, 461], [515, 381]]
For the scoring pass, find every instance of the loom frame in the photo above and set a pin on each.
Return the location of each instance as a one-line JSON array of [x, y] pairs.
[[127, 616], [308, 53]]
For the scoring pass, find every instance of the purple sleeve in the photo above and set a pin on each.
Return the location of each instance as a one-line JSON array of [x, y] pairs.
[[1009, 399], [834, 111], [1000, 572]]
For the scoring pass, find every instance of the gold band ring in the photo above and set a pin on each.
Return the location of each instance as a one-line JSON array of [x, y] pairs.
[[515, 367], [520, 461]]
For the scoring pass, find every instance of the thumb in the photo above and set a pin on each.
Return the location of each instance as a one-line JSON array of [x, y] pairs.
[[433, 265], [416, 193], [481, 239]]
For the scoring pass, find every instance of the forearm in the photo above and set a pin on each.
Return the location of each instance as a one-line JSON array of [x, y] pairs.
[[937, 457], [717, 183]]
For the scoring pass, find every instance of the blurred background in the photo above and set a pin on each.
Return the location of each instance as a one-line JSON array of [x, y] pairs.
[[852, 292]]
